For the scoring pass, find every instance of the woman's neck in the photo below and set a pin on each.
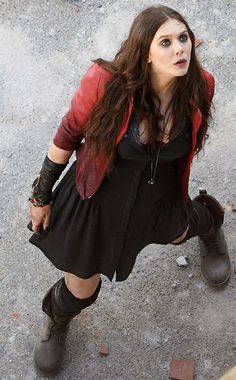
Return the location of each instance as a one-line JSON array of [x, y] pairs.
[[165, 95], [163, 88]]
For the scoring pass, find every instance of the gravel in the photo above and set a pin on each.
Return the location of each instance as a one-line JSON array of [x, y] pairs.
[[146, 321]]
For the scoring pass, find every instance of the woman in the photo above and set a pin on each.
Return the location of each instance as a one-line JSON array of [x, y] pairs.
[[135, 123]]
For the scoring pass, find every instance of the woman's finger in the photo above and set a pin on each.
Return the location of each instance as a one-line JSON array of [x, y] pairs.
[[46, 221], [35, 227]]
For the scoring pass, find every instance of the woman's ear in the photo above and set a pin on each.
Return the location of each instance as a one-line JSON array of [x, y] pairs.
[[149, 60]]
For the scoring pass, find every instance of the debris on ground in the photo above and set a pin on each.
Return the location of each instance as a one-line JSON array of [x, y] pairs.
[[182, 369], [104, 350], [15, 315], [230, 375], [198, 42], [181, 261]]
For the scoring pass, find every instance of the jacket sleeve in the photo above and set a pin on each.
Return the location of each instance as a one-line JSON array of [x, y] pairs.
[[70, 132]]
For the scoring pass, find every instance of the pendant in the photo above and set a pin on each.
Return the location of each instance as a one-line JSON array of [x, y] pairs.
[[151, 181]]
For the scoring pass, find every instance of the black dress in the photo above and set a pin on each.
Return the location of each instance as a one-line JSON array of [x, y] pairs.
[[105, 233]]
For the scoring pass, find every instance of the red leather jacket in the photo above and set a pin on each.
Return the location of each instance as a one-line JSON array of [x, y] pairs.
[[90, 173]]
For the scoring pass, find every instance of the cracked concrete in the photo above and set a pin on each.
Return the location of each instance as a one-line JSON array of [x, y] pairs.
[[45, 47]]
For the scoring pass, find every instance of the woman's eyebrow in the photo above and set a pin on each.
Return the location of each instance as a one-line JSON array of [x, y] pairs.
[[168, 35]]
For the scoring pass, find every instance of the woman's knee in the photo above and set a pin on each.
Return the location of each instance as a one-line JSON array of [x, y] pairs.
[[82, 288]]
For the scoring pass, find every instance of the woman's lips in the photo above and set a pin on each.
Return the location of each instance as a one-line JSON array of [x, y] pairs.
[[181, 62]]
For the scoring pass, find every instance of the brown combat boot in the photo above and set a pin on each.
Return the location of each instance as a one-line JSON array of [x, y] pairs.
[[215, 261], [50, 348], [61, 306]]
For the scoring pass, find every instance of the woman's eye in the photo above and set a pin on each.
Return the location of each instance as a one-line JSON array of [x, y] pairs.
[[183, 37], [165, 42]]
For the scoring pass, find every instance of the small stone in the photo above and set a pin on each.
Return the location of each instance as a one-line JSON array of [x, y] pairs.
[[234, 347], [190, 275], [181, 261], [234, 270], [174, 286], [104, 350], [234, 206]]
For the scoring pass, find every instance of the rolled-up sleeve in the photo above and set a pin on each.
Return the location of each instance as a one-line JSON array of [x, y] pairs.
[[70, 132]]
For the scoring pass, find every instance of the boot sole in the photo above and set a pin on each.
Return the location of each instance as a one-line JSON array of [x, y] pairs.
[[214, 284], [47, 375]]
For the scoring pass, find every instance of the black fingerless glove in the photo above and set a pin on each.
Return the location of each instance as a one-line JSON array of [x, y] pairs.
[[43, 184]]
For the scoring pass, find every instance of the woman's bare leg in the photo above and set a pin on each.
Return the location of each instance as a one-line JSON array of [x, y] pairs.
[[81, 288], [180, 238]]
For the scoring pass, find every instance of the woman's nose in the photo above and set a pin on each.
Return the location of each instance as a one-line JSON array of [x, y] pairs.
[[178, 48]]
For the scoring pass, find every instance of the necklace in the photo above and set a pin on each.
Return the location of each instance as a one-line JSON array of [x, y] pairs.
[[155, 161]]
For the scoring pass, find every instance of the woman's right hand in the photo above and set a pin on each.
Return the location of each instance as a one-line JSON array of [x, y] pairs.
[[40, 215]]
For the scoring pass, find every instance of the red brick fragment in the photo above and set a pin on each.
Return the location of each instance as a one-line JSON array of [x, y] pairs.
[[15, 315], [234, 206], [104, 350], [182, 369], [198, 42]]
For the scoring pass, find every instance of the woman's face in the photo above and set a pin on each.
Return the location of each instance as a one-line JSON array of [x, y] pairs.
[[170, 51]]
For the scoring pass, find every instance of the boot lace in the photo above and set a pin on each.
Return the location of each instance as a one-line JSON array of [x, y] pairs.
[[213, 245], [53, 329]]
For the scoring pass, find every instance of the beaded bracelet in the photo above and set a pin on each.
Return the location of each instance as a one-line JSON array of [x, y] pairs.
[[35, 203]]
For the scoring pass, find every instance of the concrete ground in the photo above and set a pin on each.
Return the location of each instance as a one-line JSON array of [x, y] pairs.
[[161, 311]]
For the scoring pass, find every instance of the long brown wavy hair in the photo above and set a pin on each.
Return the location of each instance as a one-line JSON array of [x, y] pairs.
[[131, 77]]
